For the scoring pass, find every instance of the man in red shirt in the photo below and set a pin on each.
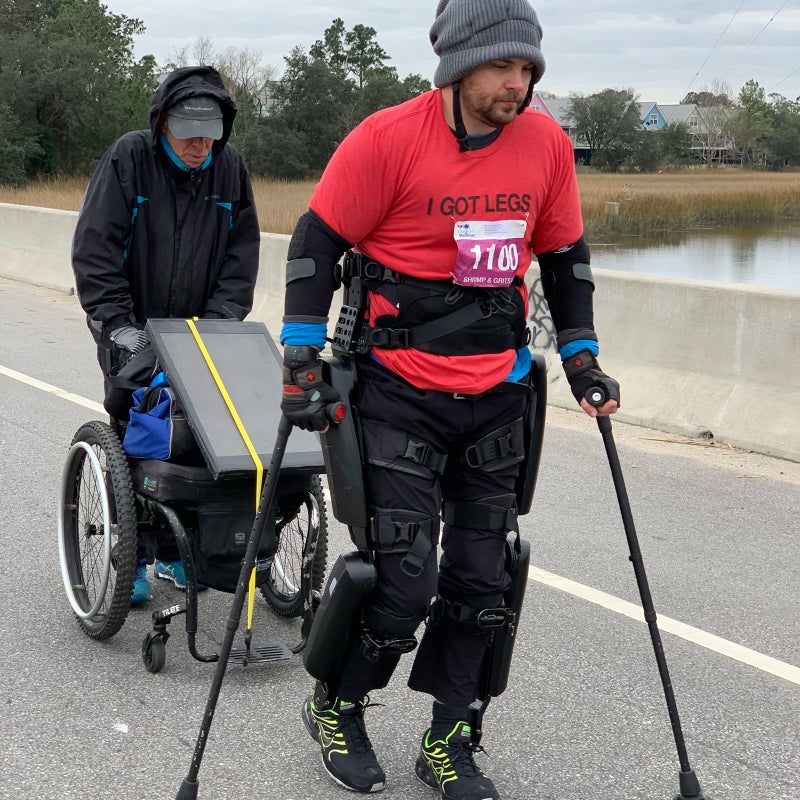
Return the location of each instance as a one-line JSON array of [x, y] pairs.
[[444, 199]]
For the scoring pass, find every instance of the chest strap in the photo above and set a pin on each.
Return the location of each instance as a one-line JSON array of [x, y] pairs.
[[359, 273]]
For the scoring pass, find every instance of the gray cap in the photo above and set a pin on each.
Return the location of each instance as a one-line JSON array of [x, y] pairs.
[[468, 33], [195, 116]]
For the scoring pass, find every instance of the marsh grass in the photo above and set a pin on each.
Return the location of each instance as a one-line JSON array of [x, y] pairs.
[[648, 203], [679, 201]]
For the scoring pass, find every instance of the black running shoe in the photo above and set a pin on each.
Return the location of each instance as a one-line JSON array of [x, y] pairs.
[[347, 752], [448, 765]]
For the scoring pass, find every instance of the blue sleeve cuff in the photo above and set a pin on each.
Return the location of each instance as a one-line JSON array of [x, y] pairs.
[[302, 334], [522, 365], [571, 348]]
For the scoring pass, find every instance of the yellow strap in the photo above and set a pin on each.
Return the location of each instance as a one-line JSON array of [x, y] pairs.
[[245, 438]]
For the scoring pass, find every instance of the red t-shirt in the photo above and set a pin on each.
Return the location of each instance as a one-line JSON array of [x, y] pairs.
[[397, 186]]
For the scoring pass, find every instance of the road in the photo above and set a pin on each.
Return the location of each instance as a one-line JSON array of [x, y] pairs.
[[584, 717]]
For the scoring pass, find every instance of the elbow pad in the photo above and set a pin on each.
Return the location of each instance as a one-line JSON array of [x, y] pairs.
[[314, 249], [568, 285]]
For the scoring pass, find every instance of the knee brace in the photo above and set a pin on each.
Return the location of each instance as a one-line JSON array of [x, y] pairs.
[[481, 615], [337, 621], [496, 664], [497, 513], [498, 657], [385, 633]]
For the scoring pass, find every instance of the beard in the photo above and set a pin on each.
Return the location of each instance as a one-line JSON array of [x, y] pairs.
[[490, 109]]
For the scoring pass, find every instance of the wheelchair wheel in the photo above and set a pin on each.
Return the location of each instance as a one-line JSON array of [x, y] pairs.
[[97, 530], [301, 525]]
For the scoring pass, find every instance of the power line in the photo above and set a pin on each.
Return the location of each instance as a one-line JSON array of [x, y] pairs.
[[785, 3], [711, 52], [796, 69]]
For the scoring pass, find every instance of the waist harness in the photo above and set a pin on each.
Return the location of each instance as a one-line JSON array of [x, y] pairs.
[[437, 317]]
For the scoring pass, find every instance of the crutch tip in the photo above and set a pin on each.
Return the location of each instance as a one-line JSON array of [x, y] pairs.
[[689, 786], [188, 790]]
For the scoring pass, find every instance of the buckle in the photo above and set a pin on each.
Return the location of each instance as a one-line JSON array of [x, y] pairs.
[[374, 270], [390, 338], [406, 532], [490, 618]]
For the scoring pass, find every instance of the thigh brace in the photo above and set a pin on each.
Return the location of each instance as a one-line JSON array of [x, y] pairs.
[[533, 432], [341, 452], [399, 530]]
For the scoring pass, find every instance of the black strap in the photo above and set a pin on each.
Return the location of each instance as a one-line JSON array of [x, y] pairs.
[[479, 516], [392, 338]]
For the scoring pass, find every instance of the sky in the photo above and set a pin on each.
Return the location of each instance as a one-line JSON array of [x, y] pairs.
[[660, 49]]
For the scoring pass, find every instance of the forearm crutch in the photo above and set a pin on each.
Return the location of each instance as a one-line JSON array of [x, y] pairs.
[[190, 785], [688, 782]]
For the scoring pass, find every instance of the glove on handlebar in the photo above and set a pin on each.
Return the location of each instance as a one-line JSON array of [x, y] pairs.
[[583, 372], [129, 338], [306, 396]]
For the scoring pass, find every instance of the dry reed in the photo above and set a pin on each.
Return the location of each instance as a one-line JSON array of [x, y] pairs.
[[648, 203]]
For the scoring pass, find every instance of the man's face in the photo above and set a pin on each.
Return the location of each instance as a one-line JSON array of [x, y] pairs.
[[193, 152], [492, 94]]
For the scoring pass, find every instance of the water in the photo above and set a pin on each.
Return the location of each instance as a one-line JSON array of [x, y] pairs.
[[767, 256]]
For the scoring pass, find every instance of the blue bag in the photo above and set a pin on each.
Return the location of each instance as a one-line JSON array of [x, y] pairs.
[[149, 432], [158, 428]]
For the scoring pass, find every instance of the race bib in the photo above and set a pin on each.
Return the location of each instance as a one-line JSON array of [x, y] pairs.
[[488, 252]]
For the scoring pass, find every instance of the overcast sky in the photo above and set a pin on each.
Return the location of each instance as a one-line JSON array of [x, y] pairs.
[[659, 48]]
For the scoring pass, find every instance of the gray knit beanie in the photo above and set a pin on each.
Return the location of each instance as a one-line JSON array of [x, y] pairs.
[[468, 33]]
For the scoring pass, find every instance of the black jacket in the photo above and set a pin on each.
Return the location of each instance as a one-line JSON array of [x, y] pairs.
[[154, 239]]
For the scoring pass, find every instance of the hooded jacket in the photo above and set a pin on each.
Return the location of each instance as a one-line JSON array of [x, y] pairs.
[[157, 239]]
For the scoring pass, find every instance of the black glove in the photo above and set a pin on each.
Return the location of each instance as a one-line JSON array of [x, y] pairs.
[[584, 373], [308, 402], [129, 338]]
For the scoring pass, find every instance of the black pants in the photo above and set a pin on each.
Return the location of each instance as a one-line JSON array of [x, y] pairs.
[[471, 569]]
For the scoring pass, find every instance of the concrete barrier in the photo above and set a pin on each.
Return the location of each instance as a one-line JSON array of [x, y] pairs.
[[692, 357]]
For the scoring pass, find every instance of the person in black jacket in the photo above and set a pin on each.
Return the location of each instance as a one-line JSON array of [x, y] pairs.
[[168, 228]]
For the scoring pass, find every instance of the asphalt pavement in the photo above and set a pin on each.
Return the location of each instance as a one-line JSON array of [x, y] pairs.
[[584, 717]]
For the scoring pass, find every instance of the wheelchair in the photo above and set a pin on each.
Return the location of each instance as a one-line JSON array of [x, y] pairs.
[[226, 375]]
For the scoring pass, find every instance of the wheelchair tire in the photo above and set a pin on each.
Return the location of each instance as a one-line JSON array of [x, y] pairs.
[[97, 530], [302, 524]]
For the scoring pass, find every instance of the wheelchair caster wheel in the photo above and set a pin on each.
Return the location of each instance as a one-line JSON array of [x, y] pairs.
[[154, 652]]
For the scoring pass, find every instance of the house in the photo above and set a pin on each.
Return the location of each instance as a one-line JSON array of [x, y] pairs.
[[707, 126], [558, 109]]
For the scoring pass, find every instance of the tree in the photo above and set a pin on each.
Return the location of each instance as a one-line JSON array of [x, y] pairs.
[[350, 54], [675, 143], [365, 55], [750, 124], [332, 48], [783, 139], [314, 103], [384, 89], [609, 123], [68, 82]]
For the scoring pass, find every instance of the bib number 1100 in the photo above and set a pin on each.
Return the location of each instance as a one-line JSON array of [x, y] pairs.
[[507, 257], [488, 252]]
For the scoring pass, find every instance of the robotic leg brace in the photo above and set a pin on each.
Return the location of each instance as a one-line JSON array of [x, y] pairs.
[[339, 620]]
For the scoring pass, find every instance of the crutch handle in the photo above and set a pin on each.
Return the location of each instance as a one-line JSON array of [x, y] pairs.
[[595, 396], [336, 412]]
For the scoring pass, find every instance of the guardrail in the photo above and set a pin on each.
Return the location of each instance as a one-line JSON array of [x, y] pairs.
[[692, 357]]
